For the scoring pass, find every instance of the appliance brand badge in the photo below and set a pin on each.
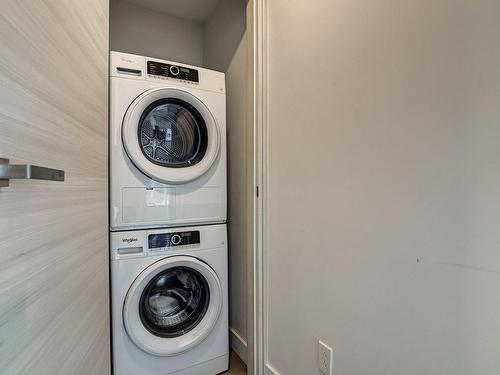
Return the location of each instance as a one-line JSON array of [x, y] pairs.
[[130, 240]]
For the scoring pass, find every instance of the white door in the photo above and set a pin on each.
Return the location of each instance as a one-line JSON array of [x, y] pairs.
[[54, 309]]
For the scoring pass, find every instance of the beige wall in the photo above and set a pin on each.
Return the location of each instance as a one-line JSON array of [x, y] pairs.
[[384, 181], [145, 32]]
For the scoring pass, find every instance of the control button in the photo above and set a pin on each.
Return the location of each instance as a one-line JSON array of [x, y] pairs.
[[174, 70], [175, 239]]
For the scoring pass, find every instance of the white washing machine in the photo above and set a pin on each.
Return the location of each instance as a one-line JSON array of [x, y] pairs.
[[170, 301], [167, 144]]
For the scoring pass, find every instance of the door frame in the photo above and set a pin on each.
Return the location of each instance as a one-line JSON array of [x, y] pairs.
[[257, 21]]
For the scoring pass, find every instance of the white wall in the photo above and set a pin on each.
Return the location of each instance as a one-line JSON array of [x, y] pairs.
[[226, 50], [384, 186], [145, 32], [240, 194], [223, 33]]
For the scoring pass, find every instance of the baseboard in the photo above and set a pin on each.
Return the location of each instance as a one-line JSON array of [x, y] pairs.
[[238, 344], [269, 370]]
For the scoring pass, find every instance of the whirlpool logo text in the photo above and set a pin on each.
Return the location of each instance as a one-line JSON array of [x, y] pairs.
[[130, 240]]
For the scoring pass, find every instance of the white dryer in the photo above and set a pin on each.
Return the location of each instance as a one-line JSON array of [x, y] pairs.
[[167, 143], [170, 301]]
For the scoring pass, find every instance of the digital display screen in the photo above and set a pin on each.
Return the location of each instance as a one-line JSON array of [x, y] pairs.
[[159, 69], [160, 240]]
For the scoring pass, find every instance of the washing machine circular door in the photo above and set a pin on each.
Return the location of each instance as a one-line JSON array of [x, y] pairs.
[[172, 306], [170, 135]]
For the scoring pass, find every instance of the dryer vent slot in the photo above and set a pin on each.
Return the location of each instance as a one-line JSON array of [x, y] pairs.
[[132, 72], [130, 250]]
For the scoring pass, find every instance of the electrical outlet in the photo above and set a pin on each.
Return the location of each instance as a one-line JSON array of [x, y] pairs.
[[325, 358]]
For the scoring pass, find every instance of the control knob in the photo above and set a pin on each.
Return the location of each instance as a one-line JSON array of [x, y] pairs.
[[174, 70], [175, 239]]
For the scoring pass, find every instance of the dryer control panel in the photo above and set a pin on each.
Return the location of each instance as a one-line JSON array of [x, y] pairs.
[[165, 240], [160, 70]]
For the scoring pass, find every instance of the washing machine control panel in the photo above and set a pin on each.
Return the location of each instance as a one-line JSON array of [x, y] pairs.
[[160, 241], [161, 70]]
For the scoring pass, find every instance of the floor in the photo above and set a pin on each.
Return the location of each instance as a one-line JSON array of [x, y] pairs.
[[236, 365]]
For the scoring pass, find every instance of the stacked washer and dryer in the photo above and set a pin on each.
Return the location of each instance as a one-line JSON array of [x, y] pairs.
[[169, 278]]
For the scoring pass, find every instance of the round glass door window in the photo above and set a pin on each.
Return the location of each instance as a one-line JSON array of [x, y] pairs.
[[172, 133], [174, 302]]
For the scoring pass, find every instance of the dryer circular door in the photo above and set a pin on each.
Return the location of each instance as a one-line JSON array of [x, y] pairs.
[[172, 306], [170, 135]]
